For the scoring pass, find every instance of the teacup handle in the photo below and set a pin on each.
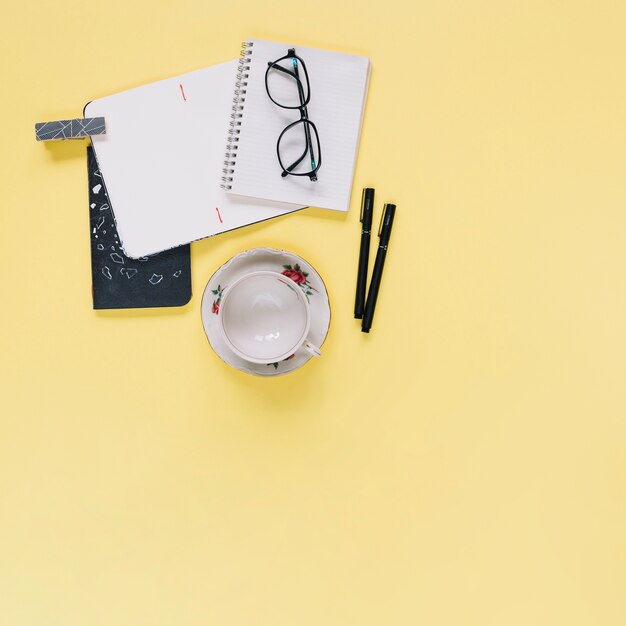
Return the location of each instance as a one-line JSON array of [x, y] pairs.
[[311, 348]]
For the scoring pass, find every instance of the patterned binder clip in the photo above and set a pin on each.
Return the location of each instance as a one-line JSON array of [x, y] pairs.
[[70, 129]]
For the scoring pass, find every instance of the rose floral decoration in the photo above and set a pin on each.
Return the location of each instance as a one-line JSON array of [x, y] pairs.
[[300, 277], [215, 309]]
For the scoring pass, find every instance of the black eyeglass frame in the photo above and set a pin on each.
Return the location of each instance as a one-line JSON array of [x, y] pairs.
[[304, 116]]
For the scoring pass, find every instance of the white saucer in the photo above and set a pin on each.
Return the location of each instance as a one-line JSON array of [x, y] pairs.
[[277, 261]]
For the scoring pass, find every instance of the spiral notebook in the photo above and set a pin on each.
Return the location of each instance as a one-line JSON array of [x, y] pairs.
[[162, 156], [337, 86]]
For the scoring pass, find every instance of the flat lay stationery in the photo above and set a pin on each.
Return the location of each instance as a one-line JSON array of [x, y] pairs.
[[292, 117], [162, 155], [296, 124], [119, 282]]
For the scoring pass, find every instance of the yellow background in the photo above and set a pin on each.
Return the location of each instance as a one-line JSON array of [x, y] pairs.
[[464, 464]]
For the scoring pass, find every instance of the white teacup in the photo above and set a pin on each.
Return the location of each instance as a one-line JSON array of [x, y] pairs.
[[265, 317]]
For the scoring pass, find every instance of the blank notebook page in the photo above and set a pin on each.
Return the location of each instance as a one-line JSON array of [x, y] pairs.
[[161, 159], [338, 89]]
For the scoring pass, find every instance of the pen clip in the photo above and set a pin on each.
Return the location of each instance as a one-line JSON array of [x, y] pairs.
[[382, 220], [386, 222], [362, 205], [367, 208]]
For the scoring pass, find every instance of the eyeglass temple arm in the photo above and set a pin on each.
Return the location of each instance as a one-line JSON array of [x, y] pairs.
[[274, 66], [305, 115]]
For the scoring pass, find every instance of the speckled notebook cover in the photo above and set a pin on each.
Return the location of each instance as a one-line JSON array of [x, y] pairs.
[[118, 282]]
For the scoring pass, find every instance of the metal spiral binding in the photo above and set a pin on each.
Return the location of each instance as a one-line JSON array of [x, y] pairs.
[[239, 98]]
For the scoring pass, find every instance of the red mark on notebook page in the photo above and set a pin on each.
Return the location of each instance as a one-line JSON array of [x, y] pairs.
[[182, 91], [218, 215]]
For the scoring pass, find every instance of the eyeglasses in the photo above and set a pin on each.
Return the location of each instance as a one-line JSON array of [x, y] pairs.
[[298, 145]]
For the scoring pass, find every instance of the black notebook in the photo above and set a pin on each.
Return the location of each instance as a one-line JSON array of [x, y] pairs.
[[119, 282]]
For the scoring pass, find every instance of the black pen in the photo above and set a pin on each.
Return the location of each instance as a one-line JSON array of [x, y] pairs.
[[367, 209], [384, 232]]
